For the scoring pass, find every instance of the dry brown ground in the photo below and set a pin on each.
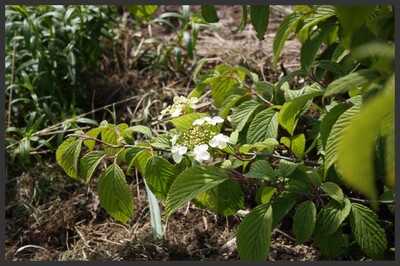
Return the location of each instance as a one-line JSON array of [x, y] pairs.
[[51, 217]]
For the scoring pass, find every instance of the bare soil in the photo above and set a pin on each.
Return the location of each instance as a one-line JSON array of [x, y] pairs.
[[51, 217]]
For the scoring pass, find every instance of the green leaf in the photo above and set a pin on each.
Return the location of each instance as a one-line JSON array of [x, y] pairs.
[[265, 194], [139, 129], [224, 199], [94, 132], [155, 214], [322, 13], [185, 122], [329, 245], [289, 111], [357, 161], [286, 167], [254, 234], [226, 83], [368, 233], [351, 18], [243, 113], [161, 141], [263, 126], [297, 144], [281, 206], [243, 21], [89, 163], [285, 28], [304, 221], [159, 174], [191, 183], [299, 181], [67, 155], [228, 104], [261, 170], [329, 120], [333, 190], [333, 215], [209, 14], [140, 161], [311, 46], [330, 66], [352, 81], [259, 16], [115, 195], [142, 11], [336, 135]]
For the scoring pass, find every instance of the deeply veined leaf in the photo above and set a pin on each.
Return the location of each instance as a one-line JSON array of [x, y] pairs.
[[67, 155], [297, 144], [94, 132], [224, 199], [299, 181], [261, 170], [209, 14], [191, 183], [111, 135], [254, 234], [159, 174], [329, 245], [330, 119], [243, 113], [333, 190], [185, 122], [139, 129], [286, 167], [333, 215], [336, 135], [263, 126], [368, 233], [114, 194], [226, 83], [310, 47], [304, 221], [259, 17], [322, 13], [228, 104], [330, 66], [161, 141], [140, 161], [357, 162], [243, 21], [281, 207], [89, 163], [351, 81], [285, 28], [289, 111]]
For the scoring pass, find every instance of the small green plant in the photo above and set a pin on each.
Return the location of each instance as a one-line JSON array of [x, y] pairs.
[[322, 149], [48, 51], [181, 48]]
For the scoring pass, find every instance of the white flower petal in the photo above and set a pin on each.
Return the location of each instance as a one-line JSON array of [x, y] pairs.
[[177, 157], [174, 139], [217, 120], [199, 121], [182, 150], [192, 102]]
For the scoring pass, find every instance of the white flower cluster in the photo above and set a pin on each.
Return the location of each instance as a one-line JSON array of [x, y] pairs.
[[200, 149], [179, 106]]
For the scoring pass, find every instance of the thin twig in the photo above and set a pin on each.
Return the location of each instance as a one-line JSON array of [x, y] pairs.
[[294, 160]]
